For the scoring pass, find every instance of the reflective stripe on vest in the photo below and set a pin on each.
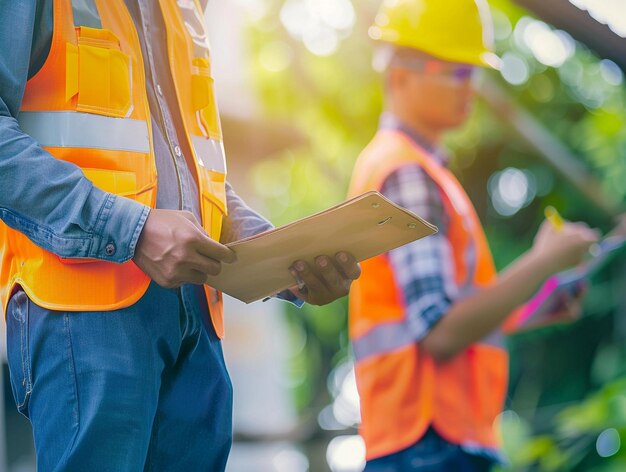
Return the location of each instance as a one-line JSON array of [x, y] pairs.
[[210, 154], [86, 13], [382, 339], [389, 337], [66, 129]]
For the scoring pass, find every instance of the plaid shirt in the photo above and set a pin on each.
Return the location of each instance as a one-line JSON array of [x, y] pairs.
[[424, 269]]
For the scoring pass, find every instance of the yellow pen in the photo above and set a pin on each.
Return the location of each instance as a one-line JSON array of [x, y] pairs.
[[554, 218]]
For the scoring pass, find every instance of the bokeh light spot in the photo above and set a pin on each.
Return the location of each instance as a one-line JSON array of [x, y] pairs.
[[275, 56], [611, 73], [346, 454], [514, 69], [511, 190], [319, 24], [608, 443]]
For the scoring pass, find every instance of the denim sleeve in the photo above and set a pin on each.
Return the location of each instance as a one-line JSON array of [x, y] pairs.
[[423, 269], [49, 200], [242, 222]]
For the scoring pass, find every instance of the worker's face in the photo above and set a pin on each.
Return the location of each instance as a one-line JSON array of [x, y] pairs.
[[436, 92]]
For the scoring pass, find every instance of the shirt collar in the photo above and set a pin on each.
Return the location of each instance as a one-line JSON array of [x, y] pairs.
[[389, 121]]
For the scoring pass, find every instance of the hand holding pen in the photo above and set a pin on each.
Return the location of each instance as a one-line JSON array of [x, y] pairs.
[[562, 244], [554, 218]]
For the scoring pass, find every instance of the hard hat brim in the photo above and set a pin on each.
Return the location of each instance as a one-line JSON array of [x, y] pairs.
[[484, 58]]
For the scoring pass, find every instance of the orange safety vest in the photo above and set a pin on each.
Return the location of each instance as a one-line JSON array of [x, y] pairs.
[[88, 105], [403, 390]]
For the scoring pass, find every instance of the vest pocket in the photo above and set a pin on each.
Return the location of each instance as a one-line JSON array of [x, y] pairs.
[[212, 216], [203, 98], [99, 73], [213, 189], [113, 181], [117, 182]]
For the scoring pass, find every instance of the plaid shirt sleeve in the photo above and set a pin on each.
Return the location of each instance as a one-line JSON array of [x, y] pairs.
[[423, 269]]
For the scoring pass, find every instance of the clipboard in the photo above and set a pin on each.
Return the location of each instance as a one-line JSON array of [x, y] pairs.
[[365, 226], [570, 282]]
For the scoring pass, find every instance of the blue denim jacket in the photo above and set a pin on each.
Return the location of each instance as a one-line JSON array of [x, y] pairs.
[[49, 200]]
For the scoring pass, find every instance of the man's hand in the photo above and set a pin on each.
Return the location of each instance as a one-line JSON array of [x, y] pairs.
[[327, 280], [567, 309], [173, 249], [560, 250]]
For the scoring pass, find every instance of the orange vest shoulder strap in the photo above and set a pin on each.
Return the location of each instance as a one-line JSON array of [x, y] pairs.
[[371, 169]]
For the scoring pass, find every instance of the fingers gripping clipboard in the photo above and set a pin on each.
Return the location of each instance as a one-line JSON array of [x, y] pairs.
[[365, 226]]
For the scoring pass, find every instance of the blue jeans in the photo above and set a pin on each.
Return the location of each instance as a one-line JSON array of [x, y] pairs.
[[431, 453], [142, 388]]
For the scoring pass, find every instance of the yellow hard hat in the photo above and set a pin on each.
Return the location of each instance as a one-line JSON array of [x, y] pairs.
[[452, 30]]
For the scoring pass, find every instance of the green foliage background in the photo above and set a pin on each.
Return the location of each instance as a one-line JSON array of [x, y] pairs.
[[567, 383]]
